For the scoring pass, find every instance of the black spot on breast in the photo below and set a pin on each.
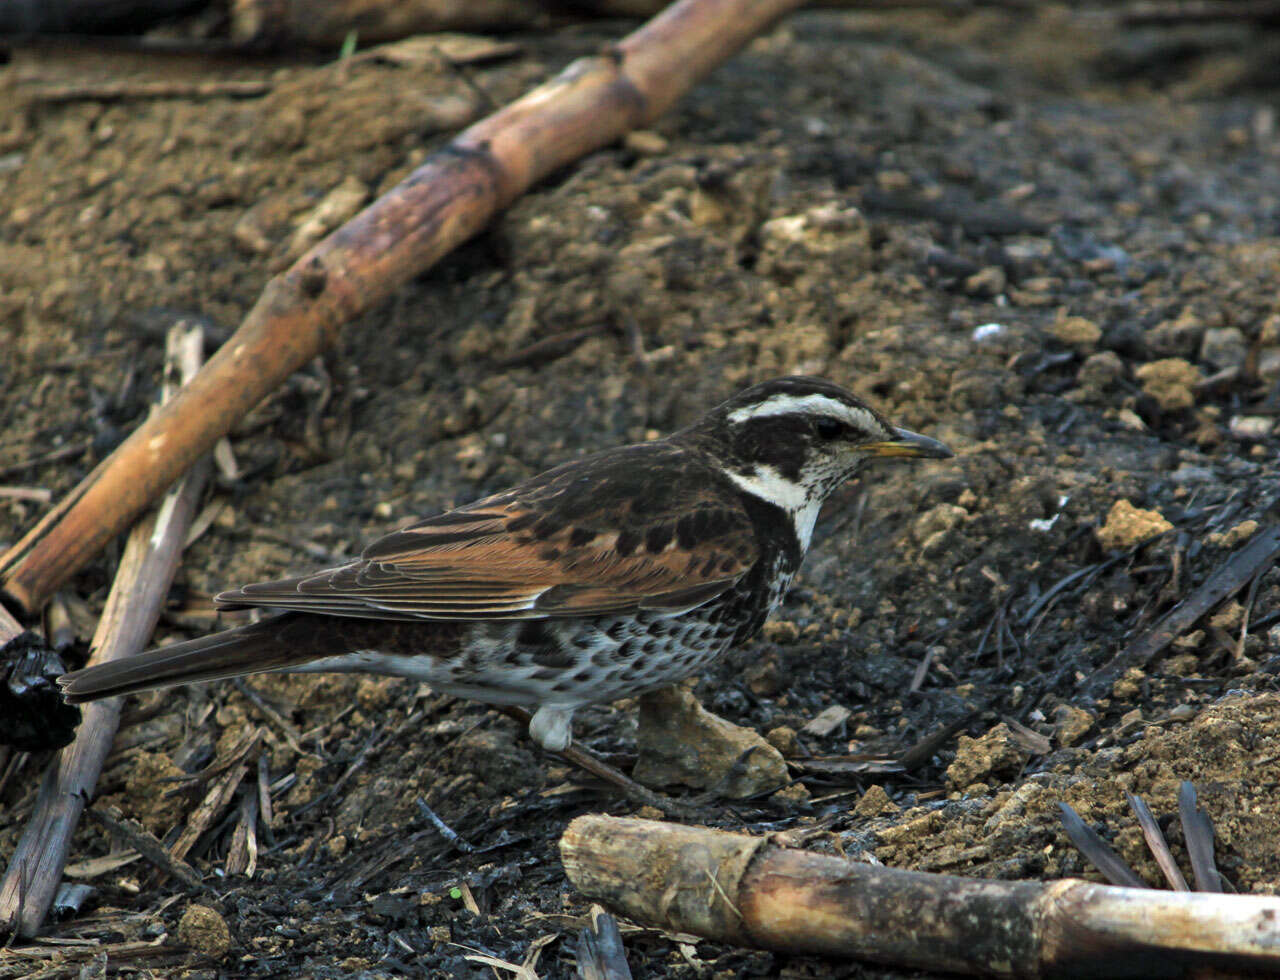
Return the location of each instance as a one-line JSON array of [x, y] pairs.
[[616, 630], [658, 538], [580, 536], [709, 566], [728, 564], [532, 633], [628, 542]]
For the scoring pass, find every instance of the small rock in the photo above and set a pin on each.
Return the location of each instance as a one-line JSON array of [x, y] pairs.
[[827, 721], [1078, 332], [203, 930], [1070, 723], [1269, 363], [1250, 428], [1171, 382], [989, 281], [994, 754], [1128, 686], [1269, 335], [1131, 420], [679, 741], [875, 802], [335, 208], [1100, 372], [1224, 347], [645, 142], [784, 739], [1128, 526]]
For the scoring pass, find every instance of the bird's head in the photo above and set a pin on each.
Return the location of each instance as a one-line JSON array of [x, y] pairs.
[[793, 440]]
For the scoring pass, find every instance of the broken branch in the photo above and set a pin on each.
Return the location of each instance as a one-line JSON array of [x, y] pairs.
[[753, 892]]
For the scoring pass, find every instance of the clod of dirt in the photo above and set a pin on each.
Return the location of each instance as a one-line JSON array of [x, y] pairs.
[[679, 741], [875, 802], [497, 757], [1099, 374], [141, 798], [1078, 332], [204, 930], [997, 753], [1176, 338], [1230, 538], [1171, 382], [1128, 526], [1070, 723], [989, 281]]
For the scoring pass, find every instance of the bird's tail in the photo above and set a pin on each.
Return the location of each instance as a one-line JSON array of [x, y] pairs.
[[274, 643]]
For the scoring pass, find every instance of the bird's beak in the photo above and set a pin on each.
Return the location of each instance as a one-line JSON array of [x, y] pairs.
[[907, 443]]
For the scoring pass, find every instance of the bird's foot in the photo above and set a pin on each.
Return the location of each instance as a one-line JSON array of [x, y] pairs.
[[589, 762]]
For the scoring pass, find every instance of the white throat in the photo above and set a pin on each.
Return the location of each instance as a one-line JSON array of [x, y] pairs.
[[769, 485]]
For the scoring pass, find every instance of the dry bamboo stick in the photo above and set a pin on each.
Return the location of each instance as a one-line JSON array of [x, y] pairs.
[[146, 570], [444, 202], [753, 892]]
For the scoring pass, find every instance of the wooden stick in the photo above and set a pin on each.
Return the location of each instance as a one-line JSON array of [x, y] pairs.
[[441, 204], [753, 892], [147, 568], [117, 91]]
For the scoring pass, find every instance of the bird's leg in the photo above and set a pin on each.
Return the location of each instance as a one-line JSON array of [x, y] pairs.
[[588, 762]]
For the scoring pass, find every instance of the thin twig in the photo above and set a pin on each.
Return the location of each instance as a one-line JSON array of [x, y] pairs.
[[147, 567]]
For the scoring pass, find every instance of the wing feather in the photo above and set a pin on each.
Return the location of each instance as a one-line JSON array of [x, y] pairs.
[[534, 553]]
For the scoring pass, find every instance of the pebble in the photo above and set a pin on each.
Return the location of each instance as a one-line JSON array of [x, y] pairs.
[[1251, 428], [1224, 347], [645, 142]]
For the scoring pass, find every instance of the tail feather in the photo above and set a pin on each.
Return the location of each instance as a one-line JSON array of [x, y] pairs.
[[262, 646]]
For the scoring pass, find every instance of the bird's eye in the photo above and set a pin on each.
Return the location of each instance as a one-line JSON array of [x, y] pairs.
[[829, 428]]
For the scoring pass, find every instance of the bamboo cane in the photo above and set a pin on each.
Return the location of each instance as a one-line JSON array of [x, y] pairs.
[[753, 892]]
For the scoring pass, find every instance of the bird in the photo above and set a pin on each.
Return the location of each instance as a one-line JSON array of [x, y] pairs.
[[606, 577]]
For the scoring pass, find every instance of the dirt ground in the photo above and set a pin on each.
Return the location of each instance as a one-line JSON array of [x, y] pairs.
[[1050, 240]]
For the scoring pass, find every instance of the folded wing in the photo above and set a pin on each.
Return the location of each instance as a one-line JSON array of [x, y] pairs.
[[517, 556]]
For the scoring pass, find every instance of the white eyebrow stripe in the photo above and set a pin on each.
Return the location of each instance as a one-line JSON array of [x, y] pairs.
[[807, 405]]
